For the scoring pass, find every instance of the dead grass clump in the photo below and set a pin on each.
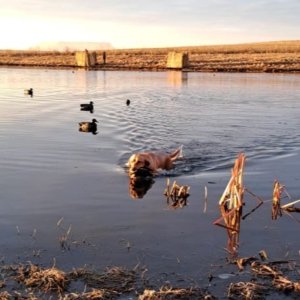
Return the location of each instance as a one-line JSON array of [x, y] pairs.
[[279, 193], [243, 261], [283, 284], [168, 293], [95, 294], [279, 282], [247, 290], [176, 195], [114, 281], [5, 295], [47, 280], [264, 270]]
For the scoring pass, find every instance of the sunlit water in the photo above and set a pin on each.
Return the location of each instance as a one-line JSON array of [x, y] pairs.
[[50, 170]]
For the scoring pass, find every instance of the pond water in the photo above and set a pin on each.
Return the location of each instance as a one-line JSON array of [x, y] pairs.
[[55, 179]]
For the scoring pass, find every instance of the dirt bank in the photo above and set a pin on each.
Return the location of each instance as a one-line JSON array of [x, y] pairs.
[[256, 57]]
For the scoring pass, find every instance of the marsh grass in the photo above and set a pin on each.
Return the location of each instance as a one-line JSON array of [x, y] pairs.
[[29, 281], [34, 282], [169, 293], [281, 56]]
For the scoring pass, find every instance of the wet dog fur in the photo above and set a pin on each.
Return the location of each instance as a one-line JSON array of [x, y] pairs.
[[153, 161]]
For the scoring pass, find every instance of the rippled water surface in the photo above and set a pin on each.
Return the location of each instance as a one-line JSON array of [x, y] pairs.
[[213, 116], [50, 170]]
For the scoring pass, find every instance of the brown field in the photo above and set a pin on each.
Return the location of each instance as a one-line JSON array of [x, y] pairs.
[[282, 56]]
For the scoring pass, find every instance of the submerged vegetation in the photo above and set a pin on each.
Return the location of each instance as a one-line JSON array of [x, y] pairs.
[[282, 56]]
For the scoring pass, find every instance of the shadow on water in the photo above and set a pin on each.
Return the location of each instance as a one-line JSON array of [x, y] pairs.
[[87, 107]]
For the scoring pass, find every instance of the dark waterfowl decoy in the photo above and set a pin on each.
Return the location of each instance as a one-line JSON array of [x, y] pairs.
[[29, 92], [88, 126], [127, 102], [87, 106]]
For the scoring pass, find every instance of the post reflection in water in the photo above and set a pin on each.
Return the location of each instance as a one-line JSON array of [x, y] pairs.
[[177, 78]]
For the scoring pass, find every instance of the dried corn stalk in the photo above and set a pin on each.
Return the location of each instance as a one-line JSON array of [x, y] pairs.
[[176, 195], [247, 290], [280, 282], [231, 204], [277, 207]]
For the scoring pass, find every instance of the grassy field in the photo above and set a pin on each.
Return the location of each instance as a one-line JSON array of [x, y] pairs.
[[282, 56]]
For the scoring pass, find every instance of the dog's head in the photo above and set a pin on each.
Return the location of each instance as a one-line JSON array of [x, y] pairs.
[[136, 162]]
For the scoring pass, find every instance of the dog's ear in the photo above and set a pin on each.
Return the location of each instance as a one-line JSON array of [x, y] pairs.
[[147, 163]]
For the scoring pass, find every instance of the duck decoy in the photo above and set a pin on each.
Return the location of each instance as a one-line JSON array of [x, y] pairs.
[[87, 106], [88, 126], [127, 102], [29, 92]]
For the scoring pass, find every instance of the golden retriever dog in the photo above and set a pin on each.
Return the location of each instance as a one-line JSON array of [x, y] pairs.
[[152, 161]]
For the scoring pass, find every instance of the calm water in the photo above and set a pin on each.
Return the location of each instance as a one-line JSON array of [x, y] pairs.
[[50, 170]]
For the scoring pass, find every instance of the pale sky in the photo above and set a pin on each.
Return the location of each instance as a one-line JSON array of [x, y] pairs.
[[152, 23]]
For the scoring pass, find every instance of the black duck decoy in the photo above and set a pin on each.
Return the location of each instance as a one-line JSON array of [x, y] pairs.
[[88, 126], [29, 92], [87, 106]]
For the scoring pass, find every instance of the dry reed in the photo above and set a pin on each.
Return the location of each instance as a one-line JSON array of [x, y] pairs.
[[176, 195], [168, 293], [45, 279], [277, 206], [246, 291], [231, 204]]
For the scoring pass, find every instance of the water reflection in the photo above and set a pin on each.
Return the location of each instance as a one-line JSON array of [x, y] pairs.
[[177, 78], [87, 107], [88, 126], [138, 186], [177, 203]]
